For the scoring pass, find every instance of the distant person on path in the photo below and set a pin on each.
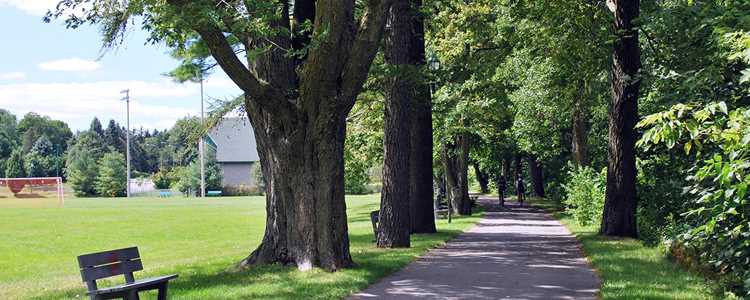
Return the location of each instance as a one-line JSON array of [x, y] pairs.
[[502, 186], [520, 190]]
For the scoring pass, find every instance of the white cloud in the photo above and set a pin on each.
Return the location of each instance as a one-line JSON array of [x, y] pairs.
[[34, 7], [12, 76], [71, 64], [78, 103]]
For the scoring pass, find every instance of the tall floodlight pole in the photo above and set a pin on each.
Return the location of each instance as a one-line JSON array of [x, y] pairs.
[[201, 148], [127, 140]]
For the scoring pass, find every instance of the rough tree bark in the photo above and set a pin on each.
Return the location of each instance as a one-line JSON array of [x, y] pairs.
[[394, 220], [455, 159], [421, 189], [620, 197], [482, 178], [579, 147], [298, 110], [537, 177]]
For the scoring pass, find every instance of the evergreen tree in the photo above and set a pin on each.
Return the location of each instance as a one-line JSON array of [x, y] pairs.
[[114, 136], [14, 166], [96, 127], [111, 180], [82, 171]]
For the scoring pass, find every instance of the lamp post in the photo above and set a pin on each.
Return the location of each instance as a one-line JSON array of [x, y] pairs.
[[127, 140], [433, 63]]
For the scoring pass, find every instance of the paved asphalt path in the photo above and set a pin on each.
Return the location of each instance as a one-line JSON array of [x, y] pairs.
[[512, 253]]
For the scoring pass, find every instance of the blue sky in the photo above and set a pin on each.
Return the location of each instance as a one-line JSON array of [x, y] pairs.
[[57, 72]]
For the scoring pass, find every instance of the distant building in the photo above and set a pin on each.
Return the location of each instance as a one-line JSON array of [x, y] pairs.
[[236, 153]]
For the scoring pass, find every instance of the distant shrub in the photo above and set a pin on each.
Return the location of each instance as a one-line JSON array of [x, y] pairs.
[[162, 180], [585, 195], [242, 190]]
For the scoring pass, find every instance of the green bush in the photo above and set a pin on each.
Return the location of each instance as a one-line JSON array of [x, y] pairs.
[[584, 192], [717, 222], [189, 177], [162, 180], [111, 181]]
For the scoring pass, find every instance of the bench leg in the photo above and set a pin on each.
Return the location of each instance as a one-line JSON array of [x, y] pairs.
[[132, 295], [163, 291]]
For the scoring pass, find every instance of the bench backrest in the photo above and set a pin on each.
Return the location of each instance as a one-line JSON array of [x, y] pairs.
[[109, 263]]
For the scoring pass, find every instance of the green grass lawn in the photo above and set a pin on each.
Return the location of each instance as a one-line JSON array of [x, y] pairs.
[[631, 270], [199, 239]]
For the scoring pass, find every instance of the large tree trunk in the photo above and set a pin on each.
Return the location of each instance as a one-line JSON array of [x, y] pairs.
[[298, 112], [394, 220], [305, 209], [578, 144], [620, 197], [537, 177], [482, 178], [421, 189], [455, 161]]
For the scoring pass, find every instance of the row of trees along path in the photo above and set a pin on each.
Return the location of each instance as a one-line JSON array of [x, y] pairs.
[[301, 67]]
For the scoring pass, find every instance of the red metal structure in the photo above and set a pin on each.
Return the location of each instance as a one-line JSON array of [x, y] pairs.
[[19, 186]]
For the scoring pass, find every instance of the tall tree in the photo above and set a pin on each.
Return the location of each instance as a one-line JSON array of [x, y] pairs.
[[579, 145], [394, 220], [306, 62], [620, 196], [482, 178], [33, 126], [114, 136], [455, 156], [421, 190], [96, 127], [537, 177]]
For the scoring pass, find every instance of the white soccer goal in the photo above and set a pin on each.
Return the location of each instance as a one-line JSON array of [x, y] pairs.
[[34, 187]]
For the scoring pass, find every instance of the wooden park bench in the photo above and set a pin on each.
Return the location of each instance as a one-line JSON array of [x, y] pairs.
[[111, 263], [213, 193], [442, 213]]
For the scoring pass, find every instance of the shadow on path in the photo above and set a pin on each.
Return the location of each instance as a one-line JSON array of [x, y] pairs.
[[513, 253]]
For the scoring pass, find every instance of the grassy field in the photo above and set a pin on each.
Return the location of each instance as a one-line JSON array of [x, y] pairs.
[[198, 239], [631, 270]]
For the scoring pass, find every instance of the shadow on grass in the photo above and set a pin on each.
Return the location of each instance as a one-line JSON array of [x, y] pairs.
[[216, 280], [631, 270]]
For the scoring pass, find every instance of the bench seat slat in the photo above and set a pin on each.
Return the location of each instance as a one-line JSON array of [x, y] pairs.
[[104, 271], [141, 283], [107, 257]]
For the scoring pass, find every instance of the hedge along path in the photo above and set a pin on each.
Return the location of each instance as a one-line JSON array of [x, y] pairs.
[[514, 253]]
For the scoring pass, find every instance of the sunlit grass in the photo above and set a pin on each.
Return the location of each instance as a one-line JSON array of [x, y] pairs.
[[631, 270], [199, 239]]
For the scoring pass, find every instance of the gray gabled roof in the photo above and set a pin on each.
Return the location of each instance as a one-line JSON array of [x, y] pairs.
[[234, 140]]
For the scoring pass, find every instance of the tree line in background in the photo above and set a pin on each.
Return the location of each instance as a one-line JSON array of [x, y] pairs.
[[92, 161], [494, 90]]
